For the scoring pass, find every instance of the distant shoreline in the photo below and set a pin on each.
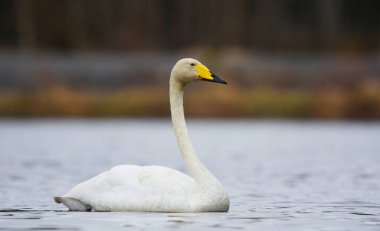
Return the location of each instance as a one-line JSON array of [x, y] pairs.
[[109, 71], [361, 102], [261, 85]]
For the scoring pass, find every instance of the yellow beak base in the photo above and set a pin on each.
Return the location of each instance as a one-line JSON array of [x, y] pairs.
[[205, 74]]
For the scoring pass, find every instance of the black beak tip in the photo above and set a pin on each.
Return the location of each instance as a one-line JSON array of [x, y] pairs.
[[217, 79], [223, 82]]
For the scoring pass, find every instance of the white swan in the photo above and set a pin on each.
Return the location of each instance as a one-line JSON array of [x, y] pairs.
[[156, 188]]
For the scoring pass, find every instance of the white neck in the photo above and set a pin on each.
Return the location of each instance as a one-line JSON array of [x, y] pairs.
[[196, 168]]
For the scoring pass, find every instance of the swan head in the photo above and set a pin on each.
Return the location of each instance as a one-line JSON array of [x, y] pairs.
[[189, 70]]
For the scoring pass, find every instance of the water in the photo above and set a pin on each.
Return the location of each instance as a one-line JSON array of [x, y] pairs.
[[280, 175]]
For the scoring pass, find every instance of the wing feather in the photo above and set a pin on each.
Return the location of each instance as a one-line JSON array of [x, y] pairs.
[[130, 187]]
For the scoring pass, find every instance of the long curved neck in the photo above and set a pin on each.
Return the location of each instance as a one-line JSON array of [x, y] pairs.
[[193, 164]]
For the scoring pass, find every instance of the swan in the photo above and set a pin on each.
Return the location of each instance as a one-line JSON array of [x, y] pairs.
[[156, 188]]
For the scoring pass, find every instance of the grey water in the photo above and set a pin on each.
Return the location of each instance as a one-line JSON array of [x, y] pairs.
[[280, 175]]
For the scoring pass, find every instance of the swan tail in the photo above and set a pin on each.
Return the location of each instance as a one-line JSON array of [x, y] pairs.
[[73, 204]]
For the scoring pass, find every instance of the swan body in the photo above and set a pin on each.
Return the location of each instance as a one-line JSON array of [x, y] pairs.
[[156, 188]]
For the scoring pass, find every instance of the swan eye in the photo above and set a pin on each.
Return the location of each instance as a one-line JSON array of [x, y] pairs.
[[192, 64]]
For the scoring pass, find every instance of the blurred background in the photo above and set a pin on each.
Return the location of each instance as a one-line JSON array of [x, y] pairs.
[[289, 63], [316, 59]]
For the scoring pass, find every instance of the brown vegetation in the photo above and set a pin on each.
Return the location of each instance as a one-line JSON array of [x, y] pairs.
[[359, 102]]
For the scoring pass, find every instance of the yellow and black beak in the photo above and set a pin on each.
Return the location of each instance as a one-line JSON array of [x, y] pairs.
[[205, 74]]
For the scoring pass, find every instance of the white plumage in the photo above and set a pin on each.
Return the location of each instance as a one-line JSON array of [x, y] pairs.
[[156, 188]]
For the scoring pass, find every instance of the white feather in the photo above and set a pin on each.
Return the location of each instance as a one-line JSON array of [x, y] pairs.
[[156, 188]]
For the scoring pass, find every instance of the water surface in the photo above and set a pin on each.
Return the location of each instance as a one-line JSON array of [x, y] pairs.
[[280, 175]]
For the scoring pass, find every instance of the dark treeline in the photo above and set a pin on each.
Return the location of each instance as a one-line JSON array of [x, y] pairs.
[[135, 25]]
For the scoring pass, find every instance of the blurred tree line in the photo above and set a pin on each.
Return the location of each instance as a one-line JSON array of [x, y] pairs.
[[348, 25], [112, 58]]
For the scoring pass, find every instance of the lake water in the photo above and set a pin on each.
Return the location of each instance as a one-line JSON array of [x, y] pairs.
[[280, 175]]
